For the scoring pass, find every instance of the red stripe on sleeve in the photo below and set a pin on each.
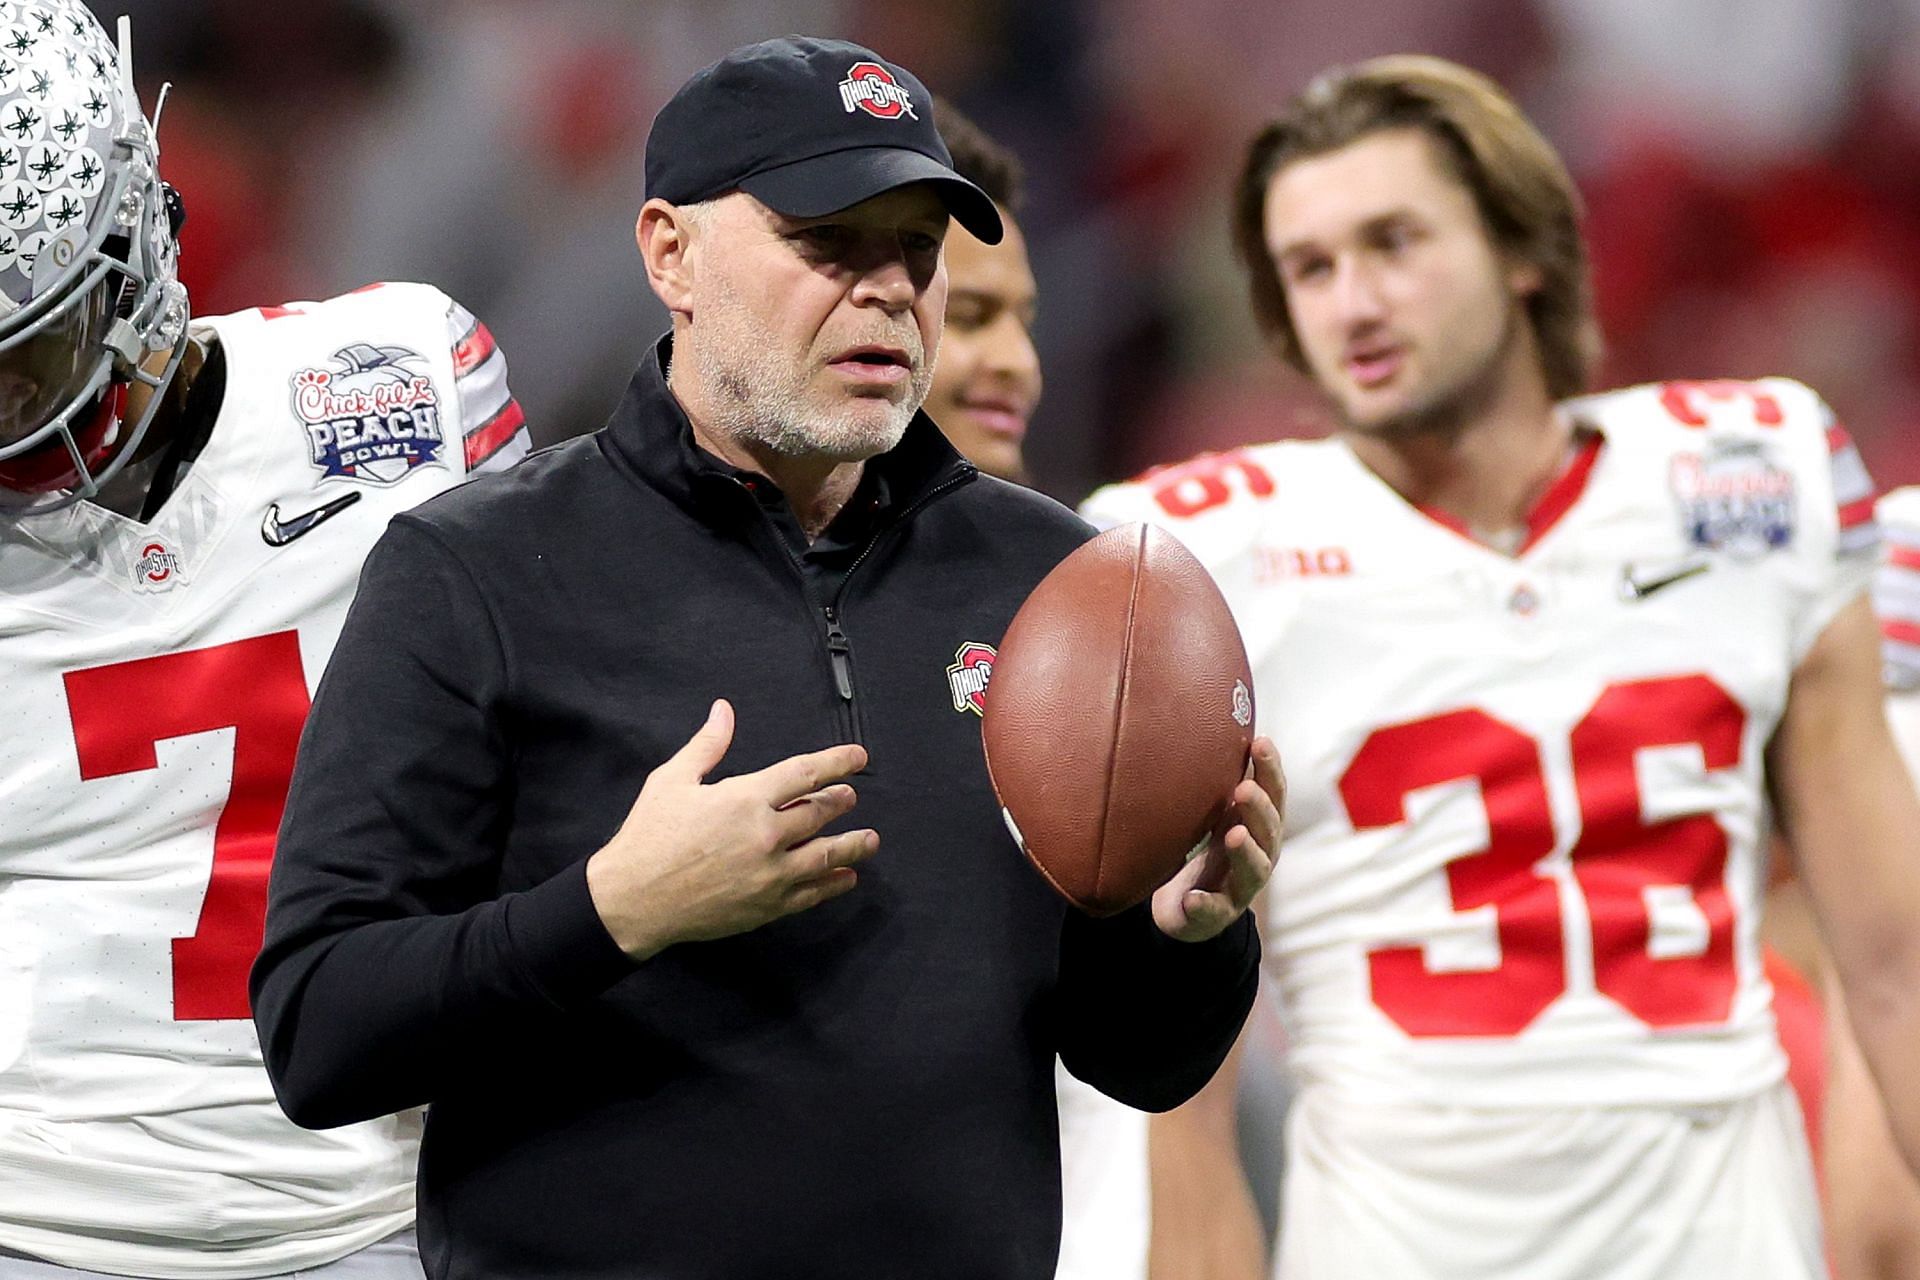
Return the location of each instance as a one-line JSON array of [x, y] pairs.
[[1837, 438], [1901, 632], [1858, 513], [1903, 557], [486, 440], [472, 351]]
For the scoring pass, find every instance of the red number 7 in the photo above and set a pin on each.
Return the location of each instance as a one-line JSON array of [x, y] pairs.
[[257, 688]]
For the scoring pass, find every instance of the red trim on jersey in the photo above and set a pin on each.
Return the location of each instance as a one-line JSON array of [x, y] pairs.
[[1838, 439], [1900, 632], [488, 439], [1447, 520], [1903, 557], [473, 350], [1855, 514], [1563, 492], [369, 288], [1549, 507]]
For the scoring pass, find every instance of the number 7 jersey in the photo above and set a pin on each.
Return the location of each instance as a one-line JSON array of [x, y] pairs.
[[154, 678], [1526, 818]]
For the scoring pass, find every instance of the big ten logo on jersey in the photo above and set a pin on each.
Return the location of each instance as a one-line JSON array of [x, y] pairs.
[[1283, 564], [1731, 496], [372, 416], [1208, 481]]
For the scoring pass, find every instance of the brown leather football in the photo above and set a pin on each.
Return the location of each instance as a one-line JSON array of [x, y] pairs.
[[1119, 718]]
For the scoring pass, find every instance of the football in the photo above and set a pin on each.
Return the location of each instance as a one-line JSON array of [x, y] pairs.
[[1119, 718]]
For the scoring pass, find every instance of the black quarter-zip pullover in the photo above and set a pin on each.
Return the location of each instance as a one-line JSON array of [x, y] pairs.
[[862, 1090]]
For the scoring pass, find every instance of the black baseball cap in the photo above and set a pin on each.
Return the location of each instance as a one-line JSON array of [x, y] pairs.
[[807, 127]]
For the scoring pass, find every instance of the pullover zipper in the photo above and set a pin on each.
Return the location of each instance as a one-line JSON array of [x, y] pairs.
[[839, 648], [842, 654]]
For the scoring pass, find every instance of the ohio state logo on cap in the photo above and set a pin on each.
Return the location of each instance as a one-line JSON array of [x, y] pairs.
[[872, 88]]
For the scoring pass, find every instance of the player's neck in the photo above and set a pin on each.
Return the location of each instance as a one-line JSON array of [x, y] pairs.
[[172, 439], [1486, 472]]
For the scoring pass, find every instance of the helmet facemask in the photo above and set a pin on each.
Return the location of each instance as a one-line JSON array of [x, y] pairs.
[[89, 305]]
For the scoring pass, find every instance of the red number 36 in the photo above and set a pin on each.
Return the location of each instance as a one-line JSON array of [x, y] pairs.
[[1619, 856]]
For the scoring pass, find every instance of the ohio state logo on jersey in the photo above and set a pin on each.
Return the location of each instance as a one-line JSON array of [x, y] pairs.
[[1733, 499], [157, 567], [871, 88], [968, 677], [372, 416]]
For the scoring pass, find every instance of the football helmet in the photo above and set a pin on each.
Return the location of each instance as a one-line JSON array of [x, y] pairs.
[[89, 303]]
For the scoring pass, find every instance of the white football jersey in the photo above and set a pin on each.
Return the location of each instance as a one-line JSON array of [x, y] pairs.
[[1526, 821], [1896, 591], [154, 678]]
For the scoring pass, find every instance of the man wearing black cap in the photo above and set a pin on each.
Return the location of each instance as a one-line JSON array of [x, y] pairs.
[[682, 1036]]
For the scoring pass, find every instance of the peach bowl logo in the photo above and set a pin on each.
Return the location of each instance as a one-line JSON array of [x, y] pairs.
[[1734, 499], [969, 675], [371, 416], [871, 88]]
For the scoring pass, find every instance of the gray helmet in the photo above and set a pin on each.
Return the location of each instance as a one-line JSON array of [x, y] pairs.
[[89, 303]]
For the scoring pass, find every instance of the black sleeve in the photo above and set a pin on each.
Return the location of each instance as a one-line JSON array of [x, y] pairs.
[[389, 958], [1143, 1018]]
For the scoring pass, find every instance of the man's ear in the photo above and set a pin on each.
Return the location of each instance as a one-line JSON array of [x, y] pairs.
[[665, 234], [1524, 279]]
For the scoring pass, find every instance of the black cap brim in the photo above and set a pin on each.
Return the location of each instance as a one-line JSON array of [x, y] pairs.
[[820, 185]]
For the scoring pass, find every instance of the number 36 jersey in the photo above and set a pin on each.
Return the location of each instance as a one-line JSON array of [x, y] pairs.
[[154, 679], [1526, 820]]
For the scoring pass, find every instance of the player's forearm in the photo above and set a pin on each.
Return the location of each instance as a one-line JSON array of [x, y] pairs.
[[1884, 1007], [1852, 819], [1872, 1200], [1205, 1223], [1146, 1019], [1863, 874]]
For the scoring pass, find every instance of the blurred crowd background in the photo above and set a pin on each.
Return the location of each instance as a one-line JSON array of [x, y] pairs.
[[1751, 170]]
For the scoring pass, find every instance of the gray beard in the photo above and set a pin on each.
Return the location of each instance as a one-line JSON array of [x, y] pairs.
[[778, 419]]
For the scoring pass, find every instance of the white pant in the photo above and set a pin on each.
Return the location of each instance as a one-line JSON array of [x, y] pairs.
[[395, 1258], [1604, 1193], [1103, 1183]]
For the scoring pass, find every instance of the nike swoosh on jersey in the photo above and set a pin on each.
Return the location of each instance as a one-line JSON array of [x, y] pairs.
[[278, 532], [1633, 587]]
